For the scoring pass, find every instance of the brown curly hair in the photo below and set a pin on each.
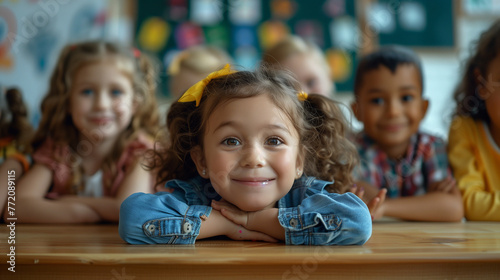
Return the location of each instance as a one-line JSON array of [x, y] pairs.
[[57, 123], [484, 50], [318, 120], [18, 126]]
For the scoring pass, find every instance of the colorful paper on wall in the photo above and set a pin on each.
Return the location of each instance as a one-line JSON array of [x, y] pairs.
[[271, 32], [244, 36], [344, 33], [381, 18], [178, 10], [245, 12], [283, 9], [217, 36], [188, 34], [206, 12], [8, 29], [310, 30], [153, 34], [341, 64], [334, 8], [413, 16], [41, 47]]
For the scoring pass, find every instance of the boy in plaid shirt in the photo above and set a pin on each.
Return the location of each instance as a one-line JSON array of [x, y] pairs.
[[410, 165]]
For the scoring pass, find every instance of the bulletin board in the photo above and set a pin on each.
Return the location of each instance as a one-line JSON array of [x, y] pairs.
[[414, 23], [245, 27]]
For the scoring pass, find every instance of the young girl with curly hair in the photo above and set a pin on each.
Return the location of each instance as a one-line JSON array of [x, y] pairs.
[[474, 137], [98, 118], [251, 157]]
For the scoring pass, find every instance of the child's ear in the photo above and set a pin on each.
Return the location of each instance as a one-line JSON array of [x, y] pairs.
[[199, 161], [354, 108], [300, 163]]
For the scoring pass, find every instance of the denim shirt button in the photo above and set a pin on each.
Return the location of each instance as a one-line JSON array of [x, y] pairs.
[[151, 228], [186, 227], [293, 222], [330, 222]]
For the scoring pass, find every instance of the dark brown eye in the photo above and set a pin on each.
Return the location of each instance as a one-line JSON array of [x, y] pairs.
[[274, 141], [231, 142]]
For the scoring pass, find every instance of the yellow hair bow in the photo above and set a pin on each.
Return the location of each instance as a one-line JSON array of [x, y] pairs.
[[302, 96], [195, 92]]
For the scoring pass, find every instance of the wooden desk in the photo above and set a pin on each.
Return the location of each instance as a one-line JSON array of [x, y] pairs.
[[397, 250]]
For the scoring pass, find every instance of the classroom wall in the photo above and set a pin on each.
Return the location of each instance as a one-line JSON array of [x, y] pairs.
[[32, 32]]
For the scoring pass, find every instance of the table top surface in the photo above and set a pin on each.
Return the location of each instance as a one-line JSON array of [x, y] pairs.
[[391, 242]]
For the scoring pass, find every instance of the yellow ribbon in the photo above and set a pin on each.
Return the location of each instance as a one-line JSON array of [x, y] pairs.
[[302, 96], [195, 92]]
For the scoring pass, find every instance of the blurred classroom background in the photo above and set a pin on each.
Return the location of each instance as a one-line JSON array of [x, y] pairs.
[[32, 32]]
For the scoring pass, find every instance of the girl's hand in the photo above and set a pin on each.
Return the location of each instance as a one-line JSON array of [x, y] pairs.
[[264, 223], [358, 191], [375, 205], [241, 233], [235, 231], [231, 212], [447, 186]]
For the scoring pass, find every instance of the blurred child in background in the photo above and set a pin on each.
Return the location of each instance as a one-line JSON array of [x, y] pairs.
[[98, 118], [474, 137], [395, 155], [305, 60], [188, 67], [193, 64], [15, 136]]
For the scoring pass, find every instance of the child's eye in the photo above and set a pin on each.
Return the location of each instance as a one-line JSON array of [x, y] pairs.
[[407, 98], [116, 92], [87, 91], [311, 83], [377, 101], [231, 142], [274, 141]]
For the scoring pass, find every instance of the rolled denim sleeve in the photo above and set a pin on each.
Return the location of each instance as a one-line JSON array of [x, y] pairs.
[[327, 219], [160, 218]]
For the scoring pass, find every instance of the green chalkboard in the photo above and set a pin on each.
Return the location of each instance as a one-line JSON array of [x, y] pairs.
[[418, 23]]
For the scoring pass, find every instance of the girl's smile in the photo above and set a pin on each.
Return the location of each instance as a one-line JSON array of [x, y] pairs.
[[254, 181]]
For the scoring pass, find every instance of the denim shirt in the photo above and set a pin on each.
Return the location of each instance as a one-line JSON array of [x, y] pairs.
[[309, 214]]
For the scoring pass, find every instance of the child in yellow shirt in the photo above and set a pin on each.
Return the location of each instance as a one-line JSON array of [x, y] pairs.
[[474, 137]]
